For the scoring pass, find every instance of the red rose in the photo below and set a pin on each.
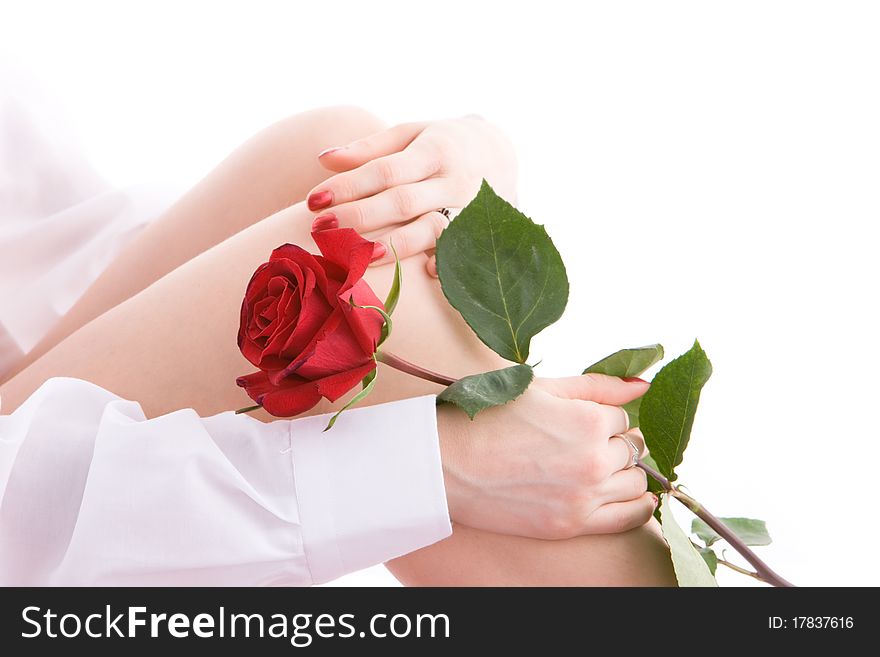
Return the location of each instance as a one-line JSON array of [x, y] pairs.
[[299, 328]]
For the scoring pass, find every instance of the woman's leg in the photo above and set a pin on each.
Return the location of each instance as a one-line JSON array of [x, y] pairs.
[[271, 171], [173, 345], [475, 558]]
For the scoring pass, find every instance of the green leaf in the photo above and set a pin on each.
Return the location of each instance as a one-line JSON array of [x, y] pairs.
[[710, 558], [668, 408], [690, 567], [501, 271], [394, 293], [628, 362], [480, 391], [749, 530], [367, 387], [632, 412]]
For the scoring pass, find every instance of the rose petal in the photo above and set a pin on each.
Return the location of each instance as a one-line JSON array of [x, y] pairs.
[[338, 351], [265, 310], [313, 313], [256, 287], [345, 248], [288, 306], [285, 281], [254, 292], [263, 322], [366, 323], [292, 397], [330, 324], [277, 284], [334, 272], [289, 311], [290, 253], [294, 253], [333, 387], [316, 320]]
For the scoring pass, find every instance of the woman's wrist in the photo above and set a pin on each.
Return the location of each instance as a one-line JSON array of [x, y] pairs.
[[450, 430]]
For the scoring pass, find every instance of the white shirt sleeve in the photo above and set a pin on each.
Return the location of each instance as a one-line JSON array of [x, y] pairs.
[[94, 493]]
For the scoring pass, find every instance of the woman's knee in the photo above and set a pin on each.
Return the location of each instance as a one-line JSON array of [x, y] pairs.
[[334, 125], [281, 161]]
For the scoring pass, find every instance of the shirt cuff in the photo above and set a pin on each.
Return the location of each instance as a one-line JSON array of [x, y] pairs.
[[371, 488]]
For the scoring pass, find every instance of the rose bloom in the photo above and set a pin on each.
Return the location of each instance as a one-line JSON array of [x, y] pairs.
[[300, 329]]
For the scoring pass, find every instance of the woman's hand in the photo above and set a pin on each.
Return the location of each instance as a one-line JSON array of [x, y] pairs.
[[396, 181], [548, 465]]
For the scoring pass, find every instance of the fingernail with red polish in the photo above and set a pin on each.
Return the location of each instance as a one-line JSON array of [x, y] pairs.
[[379, 251], [325, 222], [633, 379], [332, 149], [320, 200]]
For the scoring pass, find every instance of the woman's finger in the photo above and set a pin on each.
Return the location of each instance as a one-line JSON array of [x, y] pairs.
[[604, 420], [621, 516], [357, 153], [393, 206], [624, 486], [596, 387], [415, 237], [622, 451], [431, 266], [414, 163]]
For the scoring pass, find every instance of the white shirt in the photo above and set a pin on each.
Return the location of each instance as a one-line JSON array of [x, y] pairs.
[[94, 493]]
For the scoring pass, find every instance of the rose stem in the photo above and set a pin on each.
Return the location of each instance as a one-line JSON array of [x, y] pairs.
[[409, 368], [763, 571]]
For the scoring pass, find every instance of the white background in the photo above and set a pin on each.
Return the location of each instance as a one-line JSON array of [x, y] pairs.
[[707, 170]]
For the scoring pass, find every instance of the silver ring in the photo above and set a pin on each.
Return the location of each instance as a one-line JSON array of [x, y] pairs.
[[634, 459], [449, 213]]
